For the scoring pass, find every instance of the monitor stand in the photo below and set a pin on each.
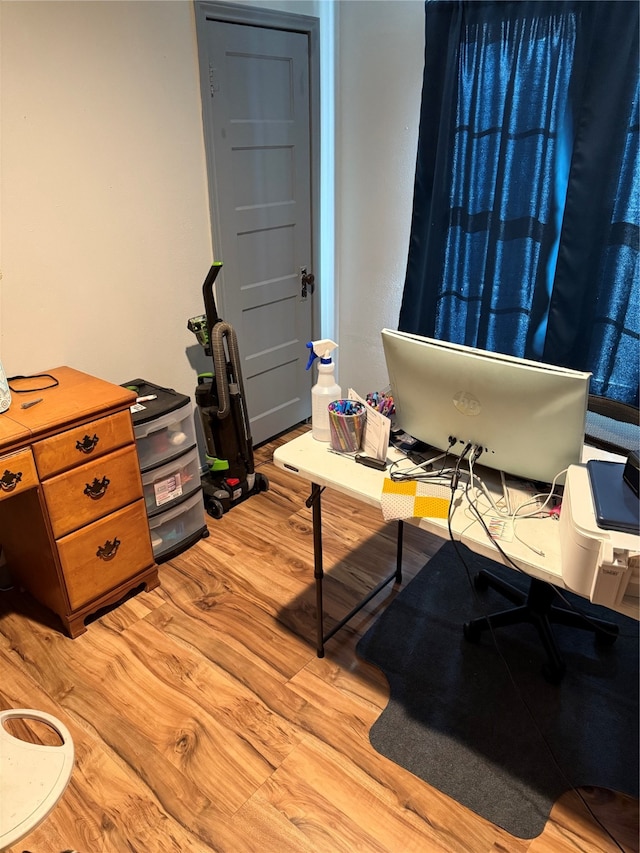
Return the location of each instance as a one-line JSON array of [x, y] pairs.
[[407, 443]]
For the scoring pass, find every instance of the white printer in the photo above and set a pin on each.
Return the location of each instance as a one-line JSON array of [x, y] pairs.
[[602, 565]]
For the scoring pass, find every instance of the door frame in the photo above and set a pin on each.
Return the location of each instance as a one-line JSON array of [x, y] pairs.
[[217, 10]]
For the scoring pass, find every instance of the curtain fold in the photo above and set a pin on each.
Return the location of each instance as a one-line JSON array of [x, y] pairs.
[[594, 320], [524, 235]]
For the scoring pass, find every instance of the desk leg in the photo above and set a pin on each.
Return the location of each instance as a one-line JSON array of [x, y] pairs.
[[313, 501], [318, 572]]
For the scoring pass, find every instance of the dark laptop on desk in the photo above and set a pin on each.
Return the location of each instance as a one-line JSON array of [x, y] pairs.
[[615, 504]]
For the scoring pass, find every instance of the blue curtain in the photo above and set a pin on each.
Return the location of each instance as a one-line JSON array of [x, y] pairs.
[[524, 236]]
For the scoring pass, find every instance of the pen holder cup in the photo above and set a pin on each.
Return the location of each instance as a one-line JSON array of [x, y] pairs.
[[346, 425]]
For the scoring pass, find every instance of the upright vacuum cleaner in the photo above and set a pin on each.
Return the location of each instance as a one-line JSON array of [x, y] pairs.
[[230, 476]]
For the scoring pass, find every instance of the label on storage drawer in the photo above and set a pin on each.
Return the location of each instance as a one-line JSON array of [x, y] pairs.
[[168, 490]]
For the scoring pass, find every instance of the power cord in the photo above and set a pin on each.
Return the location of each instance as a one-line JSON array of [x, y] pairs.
[[423, 472], [452, 442], [496, 644], [52, 382], [456, 474], [454, 485]]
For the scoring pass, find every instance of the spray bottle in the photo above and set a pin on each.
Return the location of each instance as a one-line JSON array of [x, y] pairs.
[[325, 391]]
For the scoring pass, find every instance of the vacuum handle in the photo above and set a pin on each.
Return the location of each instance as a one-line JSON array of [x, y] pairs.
[[208, 297]]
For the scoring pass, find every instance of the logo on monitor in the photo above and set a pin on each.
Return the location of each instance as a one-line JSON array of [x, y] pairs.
[[467, 404]]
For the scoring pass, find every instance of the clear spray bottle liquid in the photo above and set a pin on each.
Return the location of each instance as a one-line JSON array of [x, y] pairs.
[[326, 389]]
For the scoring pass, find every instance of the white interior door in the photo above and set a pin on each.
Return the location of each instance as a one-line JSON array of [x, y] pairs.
[[256, 94]]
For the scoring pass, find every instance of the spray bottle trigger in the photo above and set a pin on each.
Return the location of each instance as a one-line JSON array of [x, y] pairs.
[[312, 355]]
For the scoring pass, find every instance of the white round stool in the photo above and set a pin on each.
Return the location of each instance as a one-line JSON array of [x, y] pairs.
[[33, 776]]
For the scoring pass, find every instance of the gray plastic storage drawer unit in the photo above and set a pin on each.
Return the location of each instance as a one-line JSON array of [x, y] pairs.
[[170, 468]]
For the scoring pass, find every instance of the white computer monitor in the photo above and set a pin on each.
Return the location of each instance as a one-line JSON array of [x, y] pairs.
[[528, 417]]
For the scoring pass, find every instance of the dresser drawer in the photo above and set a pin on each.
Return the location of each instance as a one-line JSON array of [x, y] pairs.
[[89, 441], [92, 491], [17, 473], [105, 554]]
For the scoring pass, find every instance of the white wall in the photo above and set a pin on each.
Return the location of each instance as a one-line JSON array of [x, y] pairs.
[[104, 229], [380, 76], [105, 223]]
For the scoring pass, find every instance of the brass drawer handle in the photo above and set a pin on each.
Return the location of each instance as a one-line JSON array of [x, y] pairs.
[[97, 489], [87, 445], [108, 550], [10, 480]]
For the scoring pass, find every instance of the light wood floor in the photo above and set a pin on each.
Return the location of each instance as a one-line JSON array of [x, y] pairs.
[[204, 721]]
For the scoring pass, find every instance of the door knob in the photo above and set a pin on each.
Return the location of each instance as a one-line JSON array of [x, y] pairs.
[[308, 282]]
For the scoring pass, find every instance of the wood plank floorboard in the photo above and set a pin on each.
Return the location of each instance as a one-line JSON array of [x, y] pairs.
[[203, 720]]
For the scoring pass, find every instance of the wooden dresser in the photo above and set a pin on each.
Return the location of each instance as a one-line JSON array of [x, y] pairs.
[[73, 522]]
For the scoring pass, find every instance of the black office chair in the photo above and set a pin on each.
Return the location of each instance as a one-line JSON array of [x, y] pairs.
[[612, 426]]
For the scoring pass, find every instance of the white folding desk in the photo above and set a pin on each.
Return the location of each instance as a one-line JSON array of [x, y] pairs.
[[313, 461]]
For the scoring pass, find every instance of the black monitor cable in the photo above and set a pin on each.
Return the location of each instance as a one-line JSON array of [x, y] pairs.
[[453, 485], [421, 472], [456, 474], [452, 442], [501, 655]]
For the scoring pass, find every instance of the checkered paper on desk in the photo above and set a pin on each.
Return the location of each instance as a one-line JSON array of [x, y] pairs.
[[411, 499]]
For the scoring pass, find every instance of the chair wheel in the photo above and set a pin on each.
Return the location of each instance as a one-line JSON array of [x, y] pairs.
[[480, 582], [471, 632]]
